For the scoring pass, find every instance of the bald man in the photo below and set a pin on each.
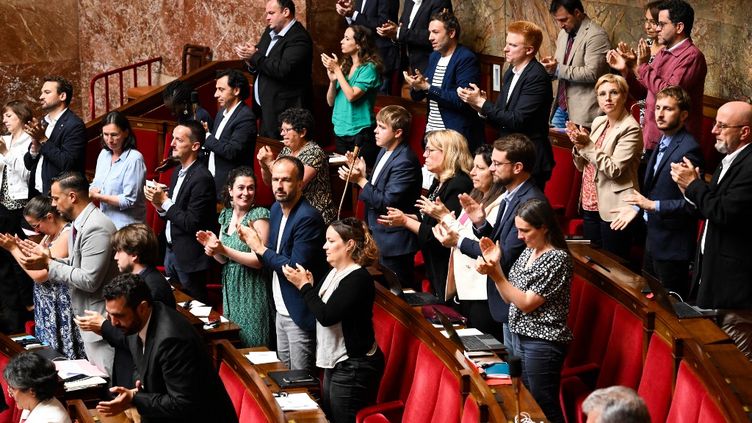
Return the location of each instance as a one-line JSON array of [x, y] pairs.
[[723, 271]]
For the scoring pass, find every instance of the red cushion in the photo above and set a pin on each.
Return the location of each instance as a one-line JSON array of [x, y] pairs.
[[592, 328], [657, 376], [12, 414], [147, 143], [234, 386], [622, 364], [689, 395], [435, 393], [400, 349], [251, 411], [470, 411]]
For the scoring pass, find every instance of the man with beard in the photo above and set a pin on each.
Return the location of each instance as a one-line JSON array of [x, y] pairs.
[[89, 263], [296, 235], [723, 270], [189, 208], [58, 141], [671, 222], [176, 379]]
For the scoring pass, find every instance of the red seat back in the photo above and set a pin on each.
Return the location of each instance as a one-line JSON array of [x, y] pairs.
[[400, 348], [691, 402], [622, 364], [592, 328], [12, 414], [657, 377], [233, 385], [435, 392]]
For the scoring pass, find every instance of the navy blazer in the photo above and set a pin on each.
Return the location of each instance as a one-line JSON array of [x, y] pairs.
[[283, 77], [194, 209], [234, 147], [398, 186], [64, 151], [375, 14], [671, 232], [505, 232], [460, 72], [302, 243], [526, 112], [414, 38]]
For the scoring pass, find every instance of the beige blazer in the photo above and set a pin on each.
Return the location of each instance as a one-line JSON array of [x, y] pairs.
[[585, 64], [616, 162]]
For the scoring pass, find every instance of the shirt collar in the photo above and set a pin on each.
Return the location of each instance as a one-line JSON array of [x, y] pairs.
[[672, 49], [142, 332], [53, 119], [730, 157], [79, 220], [228, 112], [509, 195], [284, 30], [518, 72]]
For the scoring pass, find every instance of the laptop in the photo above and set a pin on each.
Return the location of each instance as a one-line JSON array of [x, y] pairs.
[[413, 299], [680, 309], [470, 343]]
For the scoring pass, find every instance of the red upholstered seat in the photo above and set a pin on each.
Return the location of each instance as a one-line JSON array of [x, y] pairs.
[[563, 190], [657, 376], [591, 330], [12, 414], [691, 402], [470, 411], [233, 385], [400, 348], [250, 411]]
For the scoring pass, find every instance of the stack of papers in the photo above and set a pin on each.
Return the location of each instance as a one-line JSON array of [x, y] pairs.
[[262, 357], [201, 310], [296, 402], [83, 373]]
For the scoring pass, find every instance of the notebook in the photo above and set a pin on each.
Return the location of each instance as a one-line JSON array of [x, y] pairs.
[[411, 298]]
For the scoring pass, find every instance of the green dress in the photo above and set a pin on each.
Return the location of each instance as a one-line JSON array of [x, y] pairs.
[[244, 290]]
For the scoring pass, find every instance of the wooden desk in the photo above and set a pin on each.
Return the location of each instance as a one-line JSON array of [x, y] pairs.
[[225, 330]]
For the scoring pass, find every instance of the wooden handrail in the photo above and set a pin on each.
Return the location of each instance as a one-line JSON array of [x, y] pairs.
[[119, 72]]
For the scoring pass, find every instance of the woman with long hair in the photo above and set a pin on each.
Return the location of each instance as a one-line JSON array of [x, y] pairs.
[[354, 81]]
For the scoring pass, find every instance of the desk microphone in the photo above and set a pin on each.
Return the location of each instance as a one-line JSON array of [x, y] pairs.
[[356, 152], [515, 372]]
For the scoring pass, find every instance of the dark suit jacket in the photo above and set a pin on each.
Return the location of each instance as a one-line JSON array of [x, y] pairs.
[[725, 270], [234, 147], [65, 150], [302, 243], [526, 112], [178, 379], [284, 76], [375, 14], [415, 38], [505, 232], [193, 210], [398, 186], [460, 72], [671, 232]]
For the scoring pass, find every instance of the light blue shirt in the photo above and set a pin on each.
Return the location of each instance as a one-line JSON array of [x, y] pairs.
[[124, 178]]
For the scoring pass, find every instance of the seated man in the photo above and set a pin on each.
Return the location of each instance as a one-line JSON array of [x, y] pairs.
[[615, 404], [176, 378]]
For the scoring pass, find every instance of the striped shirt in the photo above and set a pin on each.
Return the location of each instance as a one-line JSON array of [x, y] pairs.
[[435, 122]]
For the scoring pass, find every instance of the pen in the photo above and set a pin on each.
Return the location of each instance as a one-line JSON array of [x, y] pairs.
[[591, 260]]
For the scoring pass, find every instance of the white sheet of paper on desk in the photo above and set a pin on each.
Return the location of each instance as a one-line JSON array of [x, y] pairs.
[[222, 319], [200, 310], [68, 368], [84, 383], [294, 402], [262, 357], [464, 332], [337, 159]]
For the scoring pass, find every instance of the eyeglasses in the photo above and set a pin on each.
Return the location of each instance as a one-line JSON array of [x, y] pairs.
[[429, 150], [35, 226], [723, 126], [660, 24], [285, 130], [497, 164]]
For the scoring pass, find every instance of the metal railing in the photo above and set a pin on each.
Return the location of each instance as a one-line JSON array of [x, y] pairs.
[[121, 89]]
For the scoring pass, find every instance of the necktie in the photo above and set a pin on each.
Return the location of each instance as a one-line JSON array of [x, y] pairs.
[[561, 93], [661, 149], [74, 232]]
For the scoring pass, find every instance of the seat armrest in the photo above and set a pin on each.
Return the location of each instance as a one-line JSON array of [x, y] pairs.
[[389, 411]]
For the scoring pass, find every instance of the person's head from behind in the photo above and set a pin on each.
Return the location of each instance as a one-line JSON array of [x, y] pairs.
[[392, 126], [287, 180], [117, 135], [347, 241], [57, 94], [240, 189], [31, 379], [615, 404], [70, 194], [444, 31], [231, 88], [177, 98], [523, 41], [675, 21], [537, 225], [296, 127], [128, 302], [41, 215], [512, 159], [187, 139], [732, 127], [279, 13], [672, 106], [16, 114], [568, 14], [135, 247], [446, 154]]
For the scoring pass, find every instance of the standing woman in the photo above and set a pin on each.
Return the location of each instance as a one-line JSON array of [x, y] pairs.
[[354, 82], [608, 159], [119, 177], [53, 314], [537, 289], [244, 292], [343, 306], [448, 158]]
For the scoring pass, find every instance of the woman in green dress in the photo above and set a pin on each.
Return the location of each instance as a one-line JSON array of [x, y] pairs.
[[244, 291]]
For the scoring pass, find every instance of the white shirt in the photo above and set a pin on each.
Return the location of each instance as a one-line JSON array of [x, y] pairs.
[[169, 202], [279, 301], [275, 37], [330, 341], [380, 165], [51, 410], [12, 161], [51, 122], [354, 16], [226, 115], [515, 78], [142, 334]]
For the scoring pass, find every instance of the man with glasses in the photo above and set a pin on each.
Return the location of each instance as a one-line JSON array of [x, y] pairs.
[[679, 63], [723, 270]]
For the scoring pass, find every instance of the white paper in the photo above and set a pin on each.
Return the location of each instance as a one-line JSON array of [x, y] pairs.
[[262, 357], [295, 402], [84, 383], [200, 311], [337, 159], [463, 332], [68, 368]]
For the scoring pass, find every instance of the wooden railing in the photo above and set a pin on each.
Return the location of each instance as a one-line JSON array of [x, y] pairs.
[[120, 72]]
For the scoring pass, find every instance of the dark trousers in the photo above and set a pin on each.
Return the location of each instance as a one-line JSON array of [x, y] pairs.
[[193, 283], [673, 274], [366, 139], [351, 385], [15, 286], [541, 372], [600, 234], [404, 267]]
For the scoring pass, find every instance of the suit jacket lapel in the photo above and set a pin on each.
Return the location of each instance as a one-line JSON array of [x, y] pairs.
[[186, 181], [59, 125]]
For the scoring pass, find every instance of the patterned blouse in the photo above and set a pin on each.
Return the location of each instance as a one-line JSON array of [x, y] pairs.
[[589, 190], [318, 192], [549, 276]]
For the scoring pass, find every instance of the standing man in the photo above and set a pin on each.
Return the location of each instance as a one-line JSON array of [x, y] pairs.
[[89, 263], [372, 14], [58, 143], [579, 61], [189, 208], [177, 381], [671, 222], [450, 66], [296, 236], [524, 103], [722, 267], [281, 62], [679, 63], [232, 140]]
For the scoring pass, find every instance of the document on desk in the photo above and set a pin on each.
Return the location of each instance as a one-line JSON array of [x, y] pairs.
[[262, 357], [79, 374], [296, 402], [464, 332]]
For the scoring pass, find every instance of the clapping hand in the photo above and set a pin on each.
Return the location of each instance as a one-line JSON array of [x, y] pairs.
[[473, 209], [624, 215], [684, 173], [91, 321], [416, 81], [387, 30], [249, 235], [344, 8], [121, 402], [265, 156], [297, 276], [472, 95], [550, 63], [447, 236], [435, 208], [8, 242], [393, 217], [245, 51], [156, 195], [35, 257], [488, 262], [643, 52], [331, 63], [211, 243], [579, 136], [357, 172]]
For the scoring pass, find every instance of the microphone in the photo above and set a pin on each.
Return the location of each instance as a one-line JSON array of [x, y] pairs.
[[515, 372], [194, 104], [355, 153]]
